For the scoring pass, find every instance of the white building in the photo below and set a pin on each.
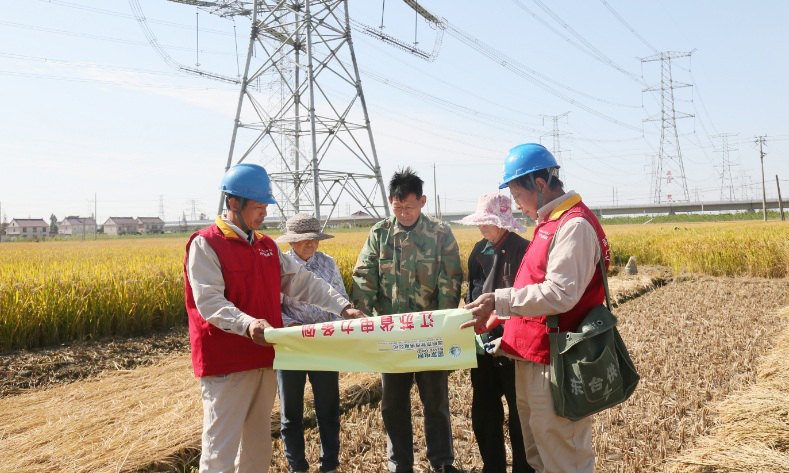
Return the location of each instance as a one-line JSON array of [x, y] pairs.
[[147, 225], [120, 226], [76, 226], [27, 228]]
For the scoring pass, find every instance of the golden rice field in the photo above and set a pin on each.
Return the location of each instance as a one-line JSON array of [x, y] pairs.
[[56, 292]]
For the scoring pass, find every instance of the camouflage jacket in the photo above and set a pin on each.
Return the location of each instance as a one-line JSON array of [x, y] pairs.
[[406, 271]]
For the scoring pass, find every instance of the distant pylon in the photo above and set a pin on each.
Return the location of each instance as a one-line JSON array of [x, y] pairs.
[[670, 184], [320, 134], [161, 206], [556, 134], [727, 180]]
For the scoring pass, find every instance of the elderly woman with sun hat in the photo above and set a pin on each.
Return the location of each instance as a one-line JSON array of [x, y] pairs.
[[304, 236], [493, 264]]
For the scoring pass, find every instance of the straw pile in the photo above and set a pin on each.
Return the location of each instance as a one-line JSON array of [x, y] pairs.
[[125, 421], [752, 434]]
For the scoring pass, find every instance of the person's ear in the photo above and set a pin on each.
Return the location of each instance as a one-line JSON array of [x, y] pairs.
[[422, 201], [542, 186]]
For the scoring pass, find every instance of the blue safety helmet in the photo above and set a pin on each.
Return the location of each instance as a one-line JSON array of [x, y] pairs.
[[525, 159], [250, 181]]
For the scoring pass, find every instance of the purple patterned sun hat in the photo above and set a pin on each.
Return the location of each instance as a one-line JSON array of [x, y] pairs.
[[493, 209]]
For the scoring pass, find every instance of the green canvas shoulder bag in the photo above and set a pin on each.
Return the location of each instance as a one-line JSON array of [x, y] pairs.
[[591, 369]]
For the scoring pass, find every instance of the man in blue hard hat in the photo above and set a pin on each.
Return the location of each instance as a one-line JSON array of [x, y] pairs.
[[234, 279], [559, 275]]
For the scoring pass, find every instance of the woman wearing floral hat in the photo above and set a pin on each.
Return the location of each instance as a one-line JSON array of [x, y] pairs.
[[492, 265], [304, 236]]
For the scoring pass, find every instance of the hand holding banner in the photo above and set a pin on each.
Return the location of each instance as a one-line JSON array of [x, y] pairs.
[[400, 343]]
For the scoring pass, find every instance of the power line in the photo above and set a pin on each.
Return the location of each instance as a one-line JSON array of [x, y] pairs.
[[527, 73], [101, 81], [596, 52], [105, 38], [627, 25]]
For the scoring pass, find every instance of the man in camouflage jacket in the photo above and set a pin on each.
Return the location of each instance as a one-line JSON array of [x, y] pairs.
[[410, 262]]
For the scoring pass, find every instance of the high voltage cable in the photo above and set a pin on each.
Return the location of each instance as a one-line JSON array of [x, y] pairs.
[[88, 64], [503, 58], [608, 60], [129, 16], [591, 51], [446, 103], [695, 87], [102, 81], [153, 42], [106, 38], [521, 70], [149, 35], [627, 25], [447, 83]]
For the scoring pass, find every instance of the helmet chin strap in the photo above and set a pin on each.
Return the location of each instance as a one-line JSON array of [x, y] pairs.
[[243, 225], [539, 193]]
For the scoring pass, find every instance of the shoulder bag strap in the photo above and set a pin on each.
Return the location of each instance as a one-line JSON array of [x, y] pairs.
[[552, 321]]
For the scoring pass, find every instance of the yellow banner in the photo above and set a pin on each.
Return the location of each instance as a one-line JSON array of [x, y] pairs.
[[401, 343]]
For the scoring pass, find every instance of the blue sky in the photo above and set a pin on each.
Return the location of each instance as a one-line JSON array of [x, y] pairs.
[[89, 107]]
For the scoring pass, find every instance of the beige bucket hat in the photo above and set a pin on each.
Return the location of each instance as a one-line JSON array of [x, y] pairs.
[[302, 227]]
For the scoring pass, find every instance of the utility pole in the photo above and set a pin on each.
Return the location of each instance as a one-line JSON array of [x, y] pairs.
[[435, 192], [670, 183], [760, 140], [780, 202]]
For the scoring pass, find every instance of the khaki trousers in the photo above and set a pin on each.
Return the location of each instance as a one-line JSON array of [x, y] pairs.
[[237, 421], [553, 444]]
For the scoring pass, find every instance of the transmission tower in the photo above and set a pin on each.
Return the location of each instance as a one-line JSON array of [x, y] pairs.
[[727, 180], [670, 184], [320, 135], [161, 206], [556, 134]]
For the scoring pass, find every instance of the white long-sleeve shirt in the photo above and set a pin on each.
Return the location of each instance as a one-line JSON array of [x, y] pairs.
[[208, 286], [571, 265]]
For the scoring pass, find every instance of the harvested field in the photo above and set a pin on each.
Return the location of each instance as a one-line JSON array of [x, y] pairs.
[[752, 430], [23, 370], [694, 342]]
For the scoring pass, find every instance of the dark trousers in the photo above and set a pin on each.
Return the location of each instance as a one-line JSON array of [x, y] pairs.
[[490, 381], [396, 413], [326, 392]]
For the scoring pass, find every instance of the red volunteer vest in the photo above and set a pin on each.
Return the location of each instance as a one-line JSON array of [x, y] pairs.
[[252, 283], [527, 337]]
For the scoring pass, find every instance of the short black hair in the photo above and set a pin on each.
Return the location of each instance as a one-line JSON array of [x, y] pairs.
[[526, 182], [405, 182]]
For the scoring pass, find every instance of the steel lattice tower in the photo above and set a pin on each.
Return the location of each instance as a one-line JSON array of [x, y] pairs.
[[556, 134], [727, 180], [319, 133], [669, 184]]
